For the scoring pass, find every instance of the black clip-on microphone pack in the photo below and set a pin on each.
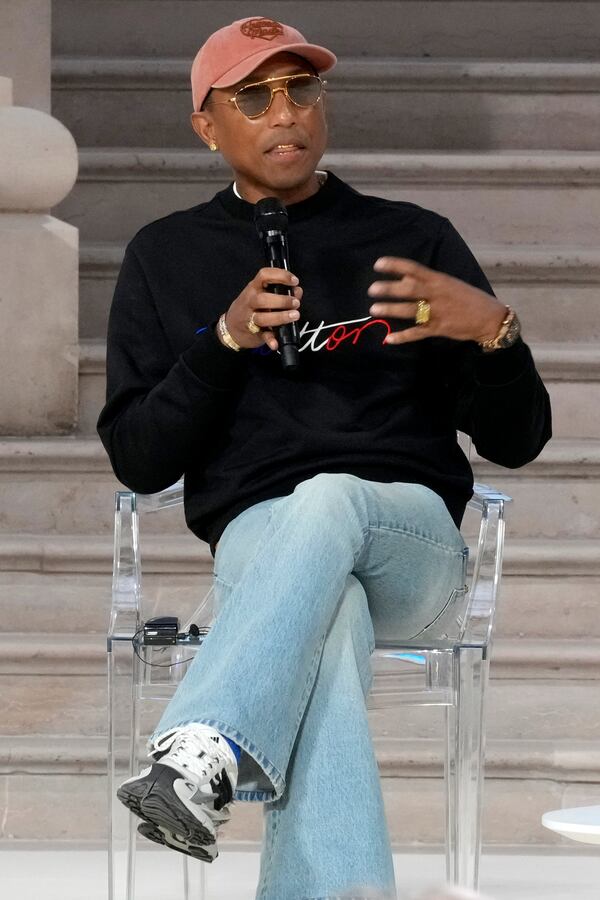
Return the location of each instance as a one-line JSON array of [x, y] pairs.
[[271, 220], [163, 631]]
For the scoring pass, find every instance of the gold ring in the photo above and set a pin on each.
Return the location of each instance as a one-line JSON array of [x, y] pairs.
[[251, 324], [423, 313]]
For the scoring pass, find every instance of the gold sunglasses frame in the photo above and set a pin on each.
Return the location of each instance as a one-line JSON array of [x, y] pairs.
[[283, 88]]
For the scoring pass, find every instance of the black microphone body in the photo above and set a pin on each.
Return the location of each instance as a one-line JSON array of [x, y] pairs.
[[270, 218]]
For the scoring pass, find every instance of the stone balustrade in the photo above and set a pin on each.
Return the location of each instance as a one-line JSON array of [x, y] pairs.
[[39, 350]]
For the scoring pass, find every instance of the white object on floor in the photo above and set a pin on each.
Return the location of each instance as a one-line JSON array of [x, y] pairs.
[[67, 874], [581, 823]]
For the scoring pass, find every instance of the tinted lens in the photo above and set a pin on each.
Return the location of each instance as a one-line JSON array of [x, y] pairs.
[[304, 91], [254, 99]]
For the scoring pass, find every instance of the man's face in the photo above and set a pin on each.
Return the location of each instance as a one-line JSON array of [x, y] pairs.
[[247, 144]]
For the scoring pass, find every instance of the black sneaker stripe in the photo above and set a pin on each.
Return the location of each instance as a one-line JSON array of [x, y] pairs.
[[221, 785]]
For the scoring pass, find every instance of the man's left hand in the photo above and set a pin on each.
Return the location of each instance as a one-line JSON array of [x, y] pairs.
[[457, 309]]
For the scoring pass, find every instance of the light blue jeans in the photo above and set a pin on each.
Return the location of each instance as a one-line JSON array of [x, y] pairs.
[[304, 585]]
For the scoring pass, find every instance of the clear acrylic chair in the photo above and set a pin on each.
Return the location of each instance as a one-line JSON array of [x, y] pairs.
[[448, 668]]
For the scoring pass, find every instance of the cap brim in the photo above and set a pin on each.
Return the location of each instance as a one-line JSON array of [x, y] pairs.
[[322, 60]]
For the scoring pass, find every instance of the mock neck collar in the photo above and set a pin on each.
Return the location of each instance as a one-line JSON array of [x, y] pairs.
[[325, 196], [317, 172]]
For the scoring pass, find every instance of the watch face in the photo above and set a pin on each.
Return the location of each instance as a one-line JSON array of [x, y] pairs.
[[514, 329]]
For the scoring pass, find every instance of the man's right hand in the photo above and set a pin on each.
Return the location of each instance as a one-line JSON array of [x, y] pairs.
[[269, 309]]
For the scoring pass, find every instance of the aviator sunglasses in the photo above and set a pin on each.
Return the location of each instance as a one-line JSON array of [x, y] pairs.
[[253, 100]]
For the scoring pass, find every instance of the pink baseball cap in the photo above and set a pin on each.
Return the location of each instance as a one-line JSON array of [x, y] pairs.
[[234, 51]]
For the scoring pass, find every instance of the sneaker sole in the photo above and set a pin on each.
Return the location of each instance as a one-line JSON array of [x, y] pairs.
[[167, 839], [153, 798]]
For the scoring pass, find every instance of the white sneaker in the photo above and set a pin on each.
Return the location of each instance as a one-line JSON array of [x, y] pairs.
[[184, 795]]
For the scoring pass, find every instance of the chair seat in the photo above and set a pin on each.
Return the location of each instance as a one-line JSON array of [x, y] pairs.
[[580, 823]]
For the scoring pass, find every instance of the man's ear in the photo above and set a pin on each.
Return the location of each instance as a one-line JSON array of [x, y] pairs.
[[203, 126]]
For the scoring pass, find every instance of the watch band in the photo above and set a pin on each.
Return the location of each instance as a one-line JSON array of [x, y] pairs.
[[508, 333]]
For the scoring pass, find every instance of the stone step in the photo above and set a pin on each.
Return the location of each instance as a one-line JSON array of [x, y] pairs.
[[37, 457], [570, 373], [65, 486], [35, 809], [73, 602], [546, 593], [552, 498], [176, 28], [398, 757], [410, 779], [517, 708], [548, 604], [32, 654], [456, 104], [494, 197], [63, 584], [554, 288], [528, 757]]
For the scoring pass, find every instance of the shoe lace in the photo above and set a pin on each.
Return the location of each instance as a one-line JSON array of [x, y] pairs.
[[190, 743]]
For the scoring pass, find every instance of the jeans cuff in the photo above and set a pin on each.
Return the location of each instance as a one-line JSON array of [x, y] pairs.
[[273, 774]]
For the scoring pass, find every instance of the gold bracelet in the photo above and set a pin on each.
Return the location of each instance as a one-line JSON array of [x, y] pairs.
[[225, 335]]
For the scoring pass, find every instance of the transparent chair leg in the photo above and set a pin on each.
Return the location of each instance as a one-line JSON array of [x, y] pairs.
[[133, 767], [120, 724], [464, 768], [194, 879], [112, 839]]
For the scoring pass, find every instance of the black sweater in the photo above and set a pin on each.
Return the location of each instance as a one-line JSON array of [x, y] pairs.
[[241, 430]]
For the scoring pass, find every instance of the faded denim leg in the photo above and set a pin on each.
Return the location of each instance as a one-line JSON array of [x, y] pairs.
[[263, 675], [328, 832]]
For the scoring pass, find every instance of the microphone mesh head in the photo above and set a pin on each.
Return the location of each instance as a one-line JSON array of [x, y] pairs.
[[270, 215]]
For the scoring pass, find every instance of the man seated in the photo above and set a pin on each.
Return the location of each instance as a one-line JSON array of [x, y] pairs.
[[331, 495]]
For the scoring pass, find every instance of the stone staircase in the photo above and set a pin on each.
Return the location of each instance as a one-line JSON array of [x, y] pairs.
[[483, 111]]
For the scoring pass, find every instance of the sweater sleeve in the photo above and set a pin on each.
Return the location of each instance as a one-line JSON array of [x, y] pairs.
[[161, 410], [502, 402]]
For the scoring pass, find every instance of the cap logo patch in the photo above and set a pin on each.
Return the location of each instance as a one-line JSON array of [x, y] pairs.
[[266, 29]]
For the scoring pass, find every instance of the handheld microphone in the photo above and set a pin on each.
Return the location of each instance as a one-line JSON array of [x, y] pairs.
[[271, 220]]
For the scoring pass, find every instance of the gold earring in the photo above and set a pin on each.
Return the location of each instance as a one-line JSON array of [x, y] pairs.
[[213, 146]]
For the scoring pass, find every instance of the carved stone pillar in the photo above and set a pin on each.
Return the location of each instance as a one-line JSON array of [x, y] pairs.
[[38, 253]]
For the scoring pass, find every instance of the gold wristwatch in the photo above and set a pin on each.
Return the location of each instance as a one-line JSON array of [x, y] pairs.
[[510, 330]]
